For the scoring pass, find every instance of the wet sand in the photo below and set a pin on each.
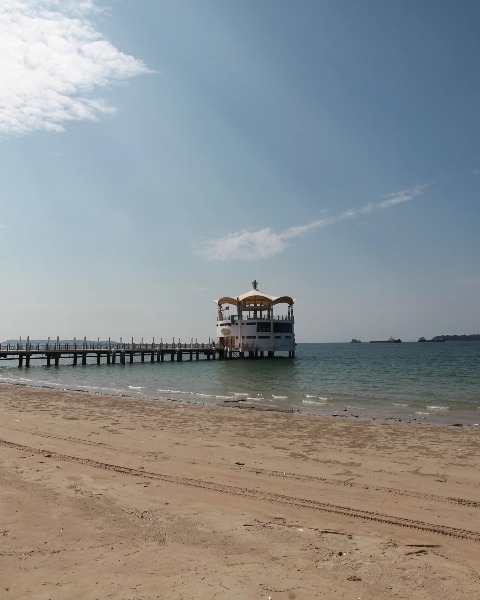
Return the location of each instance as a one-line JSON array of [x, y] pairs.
[[107, 497]]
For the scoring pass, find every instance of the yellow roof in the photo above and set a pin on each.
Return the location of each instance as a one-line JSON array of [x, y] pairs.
[[256, 298]]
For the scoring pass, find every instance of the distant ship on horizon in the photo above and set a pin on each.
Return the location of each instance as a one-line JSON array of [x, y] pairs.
[[390, 340]]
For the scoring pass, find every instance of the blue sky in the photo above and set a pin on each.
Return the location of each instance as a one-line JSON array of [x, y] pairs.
[[156, 155]]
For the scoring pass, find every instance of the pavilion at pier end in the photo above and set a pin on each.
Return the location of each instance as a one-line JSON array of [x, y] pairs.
[[249, 325]]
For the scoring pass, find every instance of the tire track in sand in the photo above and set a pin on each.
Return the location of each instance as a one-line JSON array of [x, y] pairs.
[[295, 476], [255, 494]]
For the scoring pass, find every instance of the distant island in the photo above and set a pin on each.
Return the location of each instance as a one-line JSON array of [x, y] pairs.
[[474, 337]]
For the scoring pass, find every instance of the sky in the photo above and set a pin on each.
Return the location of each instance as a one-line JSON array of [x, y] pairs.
[[156, 155]]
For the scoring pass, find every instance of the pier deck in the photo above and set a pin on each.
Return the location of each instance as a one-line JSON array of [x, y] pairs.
[[118, 353]]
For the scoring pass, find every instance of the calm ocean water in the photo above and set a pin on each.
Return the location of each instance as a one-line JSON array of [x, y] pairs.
[[433, 383]]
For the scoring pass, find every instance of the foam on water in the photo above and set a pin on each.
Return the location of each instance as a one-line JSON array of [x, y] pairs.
[[319, 401]]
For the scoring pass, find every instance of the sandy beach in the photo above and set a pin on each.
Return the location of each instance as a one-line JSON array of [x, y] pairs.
[[108, 497]]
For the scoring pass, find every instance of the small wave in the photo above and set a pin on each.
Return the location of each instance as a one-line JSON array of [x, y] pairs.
[[400, 404], [438, 408], [203, 395], [135, 387], [96, 389], [24, 380], [279, 397], [315, 402]]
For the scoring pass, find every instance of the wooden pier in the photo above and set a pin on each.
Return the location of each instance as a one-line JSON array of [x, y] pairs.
[[112, 353]]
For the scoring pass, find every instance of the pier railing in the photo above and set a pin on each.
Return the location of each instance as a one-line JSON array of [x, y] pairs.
[[112, 352], [28, 346]]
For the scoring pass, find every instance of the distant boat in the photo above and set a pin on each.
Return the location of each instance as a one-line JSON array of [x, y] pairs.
[[355, 341], [390, 340], [435, 339]]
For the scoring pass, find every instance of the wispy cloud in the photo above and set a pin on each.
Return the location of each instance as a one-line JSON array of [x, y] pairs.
[[51, 60], [265, 243]]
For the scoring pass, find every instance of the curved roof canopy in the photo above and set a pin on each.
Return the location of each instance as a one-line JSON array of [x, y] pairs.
[[255, 298]]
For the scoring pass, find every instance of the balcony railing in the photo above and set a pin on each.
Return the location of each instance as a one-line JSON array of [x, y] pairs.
[[234, 318]]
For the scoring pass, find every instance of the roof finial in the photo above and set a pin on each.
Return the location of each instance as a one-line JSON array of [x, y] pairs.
[[255, 284]]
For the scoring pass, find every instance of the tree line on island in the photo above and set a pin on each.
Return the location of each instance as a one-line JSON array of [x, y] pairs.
[[473, 337]]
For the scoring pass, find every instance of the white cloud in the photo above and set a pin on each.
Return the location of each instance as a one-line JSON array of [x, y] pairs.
[[51, 60], [299, 230], [245, 245], [265, 243], [390, 200]]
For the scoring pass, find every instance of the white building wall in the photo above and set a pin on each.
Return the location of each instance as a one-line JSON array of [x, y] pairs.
[[244, 334]]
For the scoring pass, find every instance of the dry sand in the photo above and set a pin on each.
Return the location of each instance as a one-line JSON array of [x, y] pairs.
[[105, 497]]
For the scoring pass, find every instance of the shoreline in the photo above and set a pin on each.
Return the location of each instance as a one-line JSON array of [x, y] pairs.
[[417, 385], [143, 499], [235, 403]]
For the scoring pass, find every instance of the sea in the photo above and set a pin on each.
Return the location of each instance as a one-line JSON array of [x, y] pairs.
[[433, 383]]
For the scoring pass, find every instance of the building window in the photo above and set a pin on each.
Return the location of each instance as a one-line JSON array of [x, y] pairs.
[[264, 327], [281, 327], [263, 337], [251, 337]]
